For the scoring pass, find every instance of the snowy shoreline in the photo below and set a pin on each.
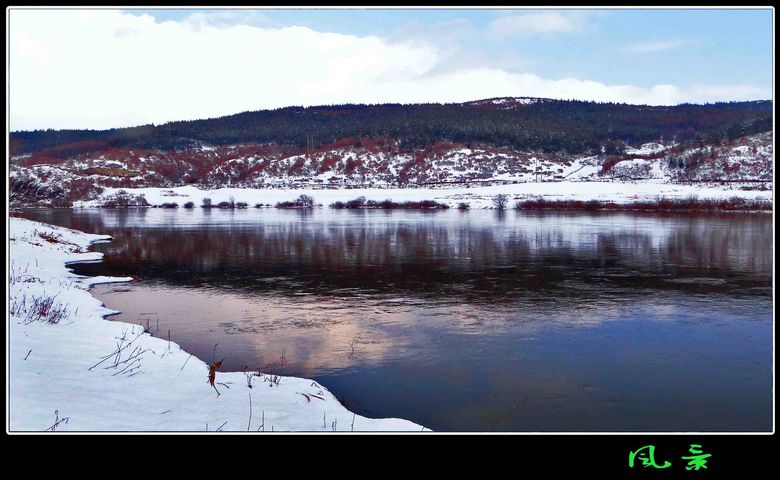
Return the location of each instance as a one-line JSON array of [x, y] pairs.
[[83, 373], [476, 197]]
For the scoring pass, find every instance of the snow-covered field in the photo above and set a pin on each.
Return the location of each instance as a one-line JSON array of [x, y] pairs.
[[476, 197], [84, 373]]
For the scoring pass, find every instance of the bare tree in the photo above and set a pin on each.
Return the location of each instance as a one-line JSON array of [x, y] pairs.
[[500, 200], [305, 201]]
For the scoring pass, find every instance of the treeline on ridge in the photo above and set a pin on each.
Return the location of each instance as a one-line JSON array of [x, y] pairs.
[[549, 125]]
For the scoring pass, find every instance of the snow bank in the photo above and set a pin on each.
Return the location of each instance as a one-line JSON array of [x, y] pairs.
[[84, 373], [646, 149], [477, 197]]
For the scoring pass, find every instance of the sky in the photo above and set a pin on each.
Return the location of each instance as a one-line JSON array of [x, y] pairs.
[[106, 68]]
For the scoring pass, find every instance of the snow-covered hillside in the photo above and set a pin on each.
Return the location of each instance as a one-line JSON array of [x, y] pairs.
[[748, 158], [507, 103], [379, 163]]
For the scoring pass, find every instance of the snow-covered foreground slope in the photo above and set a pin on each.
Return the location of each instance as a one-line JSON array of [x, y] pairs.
[[476, 197], [84, 373]]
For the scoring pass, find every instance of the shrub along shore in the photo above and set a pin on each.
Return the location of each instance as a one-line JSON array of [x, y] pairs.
[[658, 205]]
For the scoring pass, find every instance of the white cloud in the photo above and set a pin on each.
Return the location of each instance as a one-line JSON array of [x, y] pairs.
[[77, 69], [661, 45], [227, 18], [485, 83], [540, 22], [710, 93], [28, 49]]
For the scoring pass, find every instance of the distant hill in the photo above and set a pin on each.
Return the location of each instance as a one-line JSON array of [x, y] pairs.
[[497, 140], [524, 123]]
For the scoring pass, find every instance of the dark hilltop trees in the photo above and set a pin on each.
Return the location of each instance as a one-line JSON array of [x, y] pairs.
[[548, 125]]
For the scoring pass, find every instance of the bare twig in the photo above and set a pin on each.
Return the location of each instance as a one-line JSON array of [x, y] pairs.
[[28, 354], [220, 427], [116, 352], [262, 421], [127, 368], [250, 413], [57, 421], [185, 362], [134, 355], [131, 364]]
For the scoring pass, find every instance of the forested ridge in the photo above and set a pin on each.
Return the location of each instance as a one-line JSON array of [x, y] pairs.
[[571, 127]]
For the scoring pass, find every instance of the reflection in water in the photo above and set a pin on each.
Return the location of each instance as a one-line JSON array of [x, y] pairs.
[[432, 255], [466, 321]]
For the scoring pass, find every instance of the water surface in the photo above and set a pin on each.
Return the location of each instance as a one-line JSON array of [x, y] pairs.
[[466, 320]]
